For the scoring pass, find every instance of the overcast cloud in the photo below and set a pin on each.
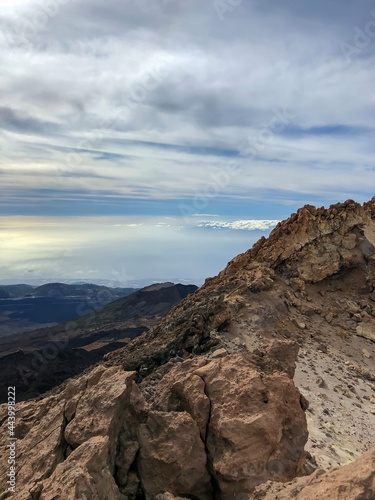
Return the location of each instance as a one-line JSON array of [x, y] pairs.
[[246, 109]]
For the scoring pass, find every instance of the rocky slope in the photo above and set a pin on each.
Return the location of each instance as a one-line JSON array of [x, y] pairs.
[[204, 406], [216, 429], [313, 281], [356, 480], [115, 320], [39, 360]]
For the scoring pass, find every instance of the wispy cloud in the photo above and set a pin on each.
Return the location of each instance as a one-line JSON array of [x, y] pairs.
[[140, 108], [152, 98]]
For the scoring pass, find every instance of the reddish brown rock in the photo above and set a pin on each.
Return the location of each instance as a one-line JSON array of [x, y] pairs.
[[85, 474], [182, 390], [351, 482], [172, 456], [309, 247], [280, 356], [366, 329], [99, 409], [46, 463], [219, 427], [39, 452], [255, 425]]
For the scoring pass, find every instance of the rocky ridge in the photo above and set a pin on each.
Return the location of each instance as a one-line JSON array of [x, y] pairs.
[[216, 429], [204, 404], [312, 280]]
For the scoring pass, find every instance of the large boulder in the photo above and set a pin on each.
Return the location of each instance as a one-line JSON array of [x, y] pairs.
[[216, 428], [172, 456], [67, 442], [84, 475], [253, 424], [99, 410]]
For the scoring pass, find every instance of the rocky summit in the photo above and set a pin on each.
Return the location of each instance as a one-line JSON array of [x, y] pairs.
[[260, 385]]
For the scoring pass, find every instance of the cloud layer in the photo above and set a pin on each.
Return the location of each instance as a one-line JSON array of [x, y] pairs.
[[248, 225], [156, 99], [122, 250], [218, 114]]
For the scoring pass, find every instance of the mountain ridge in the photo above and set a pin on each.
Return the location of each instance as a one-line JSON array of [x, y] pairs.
[[247, 387], [38, 360], [24, 307], [317, 263], [257, 264]]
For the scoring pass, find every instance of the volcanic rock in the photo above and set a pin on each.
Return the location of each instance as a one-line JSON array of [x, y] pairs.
[[304, 283], [351, 482], [164, 417], [216, 428]]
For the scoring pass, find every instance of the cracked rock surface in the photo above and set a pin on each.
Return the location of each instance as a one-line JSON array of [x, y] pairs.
[[262, 376], [216, 428]]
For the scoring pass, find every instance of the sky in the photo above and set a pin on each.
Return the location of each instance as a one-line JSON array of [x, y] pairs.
[[154, 140]]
